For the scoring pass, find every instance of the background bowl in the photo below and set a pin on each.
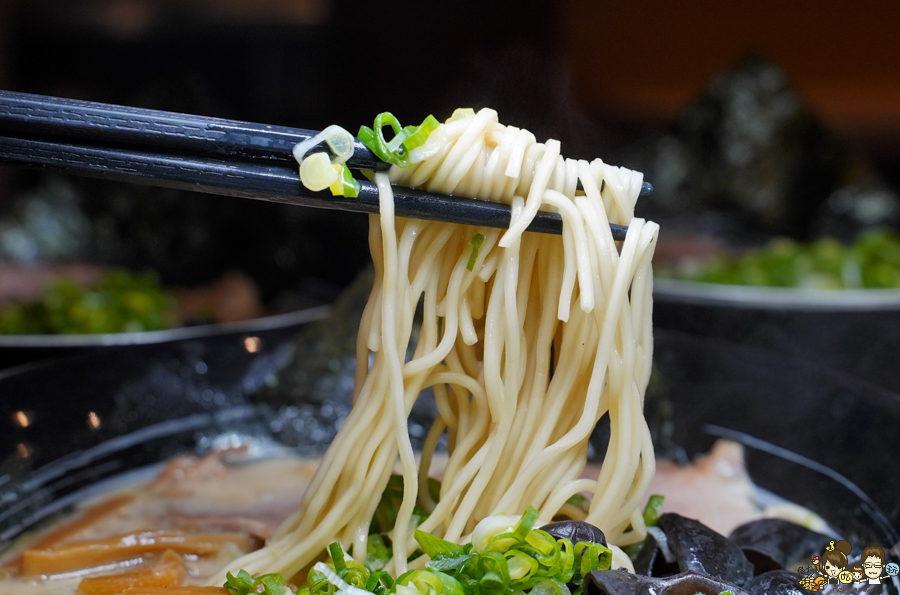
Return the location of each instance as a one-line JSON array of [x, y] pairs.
[[855, 332], [20, 349]]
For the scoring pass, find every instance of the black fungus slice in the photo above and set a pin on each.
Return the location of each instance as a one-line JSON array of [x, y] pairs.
[[773, 544], [645, 556], [575, 531], [619, 582], [651, 561], [699, 548], [776, 582]]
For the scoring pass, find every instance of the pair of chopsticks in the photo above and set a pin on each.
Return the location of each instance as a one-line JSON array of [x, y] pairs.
[[210, 155]]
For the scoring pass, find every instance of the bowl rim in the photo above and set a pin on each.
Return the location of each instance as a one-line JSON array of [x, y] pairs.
[[768, 298], [253, 325]]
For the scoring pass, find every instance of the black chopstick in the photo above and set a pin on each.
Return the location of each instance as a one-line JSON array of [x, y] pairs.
[[263, 180], [38, 115], [211, 155], [30, 115]]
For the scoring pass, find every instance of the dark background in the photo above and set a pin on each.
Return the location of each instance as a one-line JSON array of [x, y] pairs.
[[596, 75]]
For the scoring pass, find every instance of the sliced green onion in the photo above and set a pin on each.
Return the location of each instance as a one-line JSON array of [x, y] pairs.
[[567, 561], [436, 141], [504, 541], [541, 541], [521, 565], [476, 242], [430, 583], [317, 582], [450, 586], [346, 184], [487, 573], [460, 113], [338, 140], [355, 574], [419, 135], [396, 151], [592, 556], [374, 138], [651, 511], [317, 173], [377, 553], [323, 579], [386, 512], [273, 584], [549, 587], [517, 559], [341, 144], [514, 559], [241, 584], [244, 584], [337, 557], [526, 523], [501, 543], [448, 562], [367, 137], [490, 527], [379, 583], [433, 545]]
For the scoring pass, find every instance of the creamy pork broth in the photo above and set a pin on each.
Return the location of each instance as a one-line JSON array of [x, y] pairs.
[[243, 503]]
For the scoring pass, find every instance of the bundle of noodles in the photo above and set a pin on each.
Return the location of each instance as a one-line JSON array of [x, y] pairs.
[[527, 339]]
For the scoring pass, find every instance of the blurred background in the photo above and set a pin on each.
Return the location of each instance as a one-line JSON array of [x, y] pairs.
[[754, 121]]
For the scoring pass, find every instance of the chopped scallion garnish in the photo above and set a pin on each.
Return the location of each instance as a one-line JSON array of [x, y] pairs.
[[377, 552], [317, 172], [337, 557], [476, 242], [396, 151], [244, 584], [526, 523], [433, 545], [339, 141], [420, 134], [515, 559], [345, 185], [651, 511], [460, 113]]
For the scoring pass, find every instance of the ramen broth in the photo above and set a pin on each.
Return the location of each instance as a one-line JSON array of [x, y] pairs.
[[209, 510], [241, 503]]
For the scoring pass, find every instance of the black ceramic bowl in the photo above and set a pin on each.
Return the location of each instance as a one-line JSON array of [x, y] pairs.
[[853, 331], [819, 438], [20, 349]]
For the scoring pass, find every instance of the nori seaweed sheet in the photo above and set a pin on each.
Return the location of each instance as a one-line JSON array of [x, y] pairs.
[[750, 151]]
